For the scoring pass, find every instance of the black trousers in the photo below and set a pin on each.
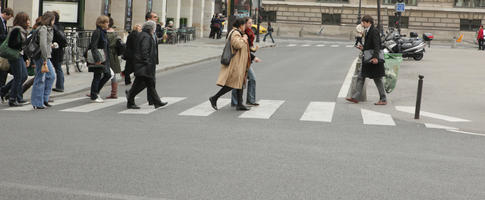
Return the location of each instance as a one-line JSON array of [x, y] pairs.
[[480, 44], [3, 78], [99, 79], [139, 85], [225, 89]]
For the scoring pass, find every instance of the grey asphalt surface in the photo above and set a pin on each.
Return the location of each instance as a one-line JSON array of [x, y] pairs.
[[104, 155]]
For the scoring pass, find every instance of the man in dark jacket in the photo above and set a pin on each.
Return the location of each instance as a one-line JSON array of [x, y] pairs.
[[374, 68], [7, 14], [146, 60], [128, 55], [58, 53]]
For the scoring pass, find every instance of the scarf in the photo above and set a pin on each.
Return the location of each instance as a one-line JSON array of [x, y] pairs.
[[251, 36]]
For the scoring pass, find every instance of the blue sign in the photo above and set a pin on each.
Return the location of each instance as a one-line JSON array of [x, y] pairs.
[[400, 7]]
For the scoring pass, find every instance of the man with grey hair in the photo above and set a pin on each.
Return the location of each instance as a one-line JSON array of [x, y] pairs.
[[146, 60]]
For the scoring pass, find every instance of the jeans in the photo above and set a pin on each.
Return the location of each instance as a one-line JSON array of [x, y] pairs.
[[251, 97], [360, 86], [99, 79], [43, 82], [19, 72], [270, 35], [59, 74]]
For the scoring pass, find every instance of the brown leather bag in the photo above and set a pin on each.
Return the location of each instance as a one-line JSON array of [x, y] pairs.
[[44, 68]]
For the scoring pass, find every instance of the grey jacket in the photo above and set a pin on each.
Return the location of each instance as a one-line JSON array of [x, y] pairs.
[[46, 35]]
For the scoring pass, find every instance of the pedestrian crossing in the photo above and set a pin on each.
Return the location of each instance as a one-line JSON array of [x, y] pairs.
[[320, 45], [314, 111]]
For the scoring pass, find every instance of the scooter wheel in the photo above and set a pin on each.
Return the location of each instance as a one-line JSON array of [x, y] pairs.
[[418, 57]]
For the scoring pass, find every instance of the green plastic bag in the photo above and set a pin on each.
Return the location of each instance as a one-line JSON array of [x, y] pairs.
[[392, 65], [7, 52]]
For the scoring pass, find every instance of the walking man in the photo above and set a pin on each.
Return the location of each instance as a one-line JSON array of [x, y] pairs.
[[374, 68], [270, 33], [6, 15], [146, 59]]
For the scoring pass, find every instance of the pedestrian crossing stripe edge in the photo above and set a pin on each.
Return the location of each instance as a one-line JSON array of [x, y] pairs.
[[147, 109]]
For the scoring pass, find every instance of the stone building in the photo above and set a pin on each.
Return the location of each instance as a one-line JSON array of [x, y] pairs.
[[126, 13], [444, 18]]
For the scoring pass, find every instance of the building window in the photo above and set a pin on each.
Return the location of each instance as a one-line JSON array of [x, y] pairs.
[[331, 19], [407, 2], [268, 16], [470, 24], [333, 1], [469, 3], [404, 21]]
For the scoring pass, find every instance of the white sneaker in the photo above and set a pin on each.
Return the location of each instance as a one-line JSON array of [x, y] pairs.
[[98, 100]]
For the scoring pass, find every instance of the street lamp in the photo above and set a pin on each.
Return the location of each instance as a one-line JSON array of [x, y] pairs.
[[359, 17], [258, 10]]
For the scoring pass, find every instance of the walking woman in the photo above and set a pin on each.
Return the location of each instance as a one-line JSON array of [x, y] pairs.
[[44, 78], [270, 32], [115, 46], [99, 43], [233, 76], [18, 36]]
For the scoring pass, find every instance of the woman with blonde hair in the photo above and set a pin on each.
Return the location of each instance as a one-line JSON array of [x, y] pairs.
[[100, 53]]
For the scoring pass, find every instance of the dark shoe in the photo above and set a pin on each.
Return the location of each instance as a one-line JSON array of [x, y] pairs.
[[38, 107], [22, 102], [252, 104], [160, 105], [132, 106], [2, 98], [213, 102], [57, 90], [150, 103], [47, 104], [14, 104], [242, 108], [352, 100], [381, 103]]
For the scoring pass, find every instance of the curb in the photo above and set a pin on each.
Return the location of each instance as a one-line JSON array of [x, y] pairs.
[[157, 72]]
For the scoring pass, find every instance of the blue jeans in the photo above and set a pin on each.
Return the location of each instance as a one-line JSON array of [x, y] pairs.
[[43, 82], [59, 74], [251, 97], [19, 72]]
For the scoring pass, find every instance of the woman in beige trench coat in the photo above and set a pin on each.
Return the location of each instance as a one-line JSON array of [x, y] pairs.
[[233, 76]]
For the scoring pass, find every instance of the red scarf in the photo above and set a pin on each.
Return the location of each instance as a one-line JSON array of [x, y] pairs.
[[251, 36]]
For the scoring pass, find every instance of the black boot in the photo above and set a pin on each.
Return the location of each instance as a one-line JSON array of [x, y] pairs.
[[240, 105]]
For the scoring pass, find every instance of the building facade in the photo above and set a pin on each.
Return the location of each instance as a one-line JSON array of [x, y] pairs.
[[126, 13], [444, 18]]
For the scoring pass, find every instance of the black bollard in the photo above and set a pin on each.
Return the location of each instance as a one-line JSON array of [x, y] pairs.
[[418, 98]]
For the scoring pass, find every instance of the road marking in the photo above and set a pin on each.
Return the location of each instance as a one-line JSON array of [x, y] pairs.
[[73, 192], [437, 126], [411, 109], [348, 80], [205, 109], [147, 109], [348, 46], [319, 112], [305, 45], [465, 132], [95, 106], [321, 45], [292, 45], [265, 109], [376, 118], [335, 45], [55, 103]]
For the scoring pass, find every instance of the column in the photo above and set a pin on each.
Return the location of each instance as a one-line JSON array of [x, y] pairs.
[[191, 14], [173, 11], [91, 12], [139, 12], [31, 7], [118, 8], [177, 16], [198, 20]]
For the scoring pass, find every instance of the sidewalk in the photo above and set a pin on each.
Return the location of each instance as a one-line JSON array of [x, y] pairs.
[[454, 82], [170, 57]]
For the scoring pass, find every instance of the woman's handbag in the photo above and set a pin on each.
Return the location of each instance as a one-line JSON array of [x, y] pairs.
[[227, 52], [7, 52], [4, 65], [44, 68], [368, 56], [91, 58]]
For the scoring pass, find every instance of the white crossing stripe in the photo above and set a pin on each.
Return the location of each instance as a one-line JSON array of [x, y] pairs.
[[411, 109], [437, 126], [348, 80], [292, 45], [205, 109], [376, 118], [335, 45], [96, 106], [147, 109], [55, 103], [305, 45], [348, 46], [319, 112], [321, 45], [265, 109]]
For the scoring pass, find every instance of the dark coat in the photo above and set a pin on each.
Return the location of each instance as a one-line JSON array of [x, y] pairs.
[[373, 41], [129, 54], [99, 41], [3, 31], [146, 55], [60, 38]]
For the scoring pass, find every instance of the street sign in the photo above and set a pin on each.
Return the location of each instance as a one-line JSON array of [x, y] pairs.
[[400, 7]]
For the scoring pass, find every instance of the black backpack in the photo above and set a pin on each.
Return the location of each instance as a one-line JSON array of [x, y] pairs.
[[32, 49]]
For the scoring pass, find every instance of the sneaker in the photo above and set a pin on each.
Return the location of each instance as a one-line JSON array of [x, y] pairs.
[[98, 100], [58, 90]]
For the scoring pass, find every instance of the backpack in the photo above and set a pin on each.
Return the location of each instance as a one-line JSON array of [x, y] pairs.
[[32, 49], [120, 47]]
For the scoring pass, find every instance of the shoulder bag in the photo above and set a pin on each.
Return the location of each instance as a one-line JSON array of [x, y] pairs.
[[4, 65], [369, 53], [7, 52], [91, 57], [227, 52]]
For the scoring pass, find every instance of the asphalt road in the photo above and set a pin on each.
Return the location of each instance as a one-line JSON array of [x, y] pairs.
[[61, 154]]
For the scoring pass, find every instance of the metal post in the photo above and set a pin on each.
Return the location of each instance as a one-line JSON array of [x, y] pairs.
[[379, 25], [418, 97], [359, 15], [258, 12]]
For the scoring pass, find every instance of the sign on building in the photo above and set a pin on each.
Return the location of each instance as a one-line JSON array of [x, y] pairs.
[[400, 7]]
